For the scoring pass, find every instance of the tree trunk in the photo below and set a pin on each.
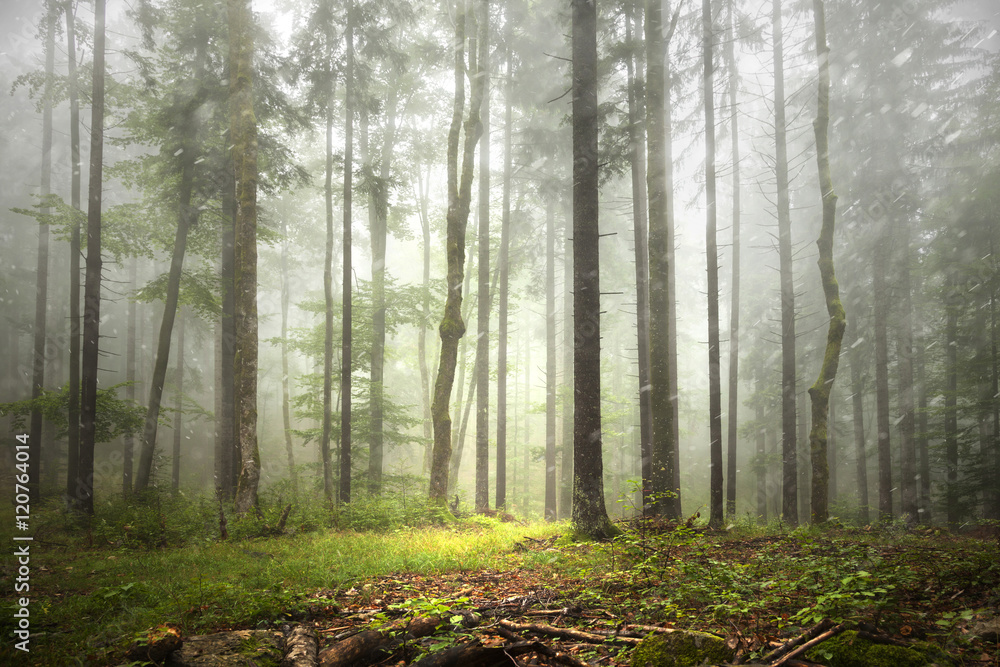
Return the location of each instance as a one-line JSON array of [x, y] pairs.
[[482, 366], [425, 385], [38, 357], [551, 381], [128, 452], [186, 217], [857, 403], [347, 320], [882, 381], [84, 491], [952, 509], [227, 456], [734, 306], [589, 514], [712, 252], [73, 409], [637, 137], [243, 134], [379, 218], [789, 449], [286, 413], [904, 367], [504, 262], [452, 326], [324, 446], [923, 438], [820, 391], [565, 508], [175, 477], [761, 457], [664, 461]]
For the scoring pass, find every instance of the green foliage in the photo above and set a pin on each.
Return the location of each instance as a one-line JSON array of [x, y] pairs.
[[115, 416]]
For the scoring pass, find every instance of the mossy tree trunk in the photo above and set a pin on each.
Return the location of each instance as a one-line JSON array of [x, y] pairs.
[[243, 133], [819, 393], [452, 326]]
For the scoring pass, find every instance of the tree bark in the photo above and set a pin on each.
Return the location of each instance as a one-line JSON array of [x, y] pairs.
[[73, 408], [175, 477], [243, 133], [789, 449], [904, 369], [452, 326], [425, 384], [84, 491], [857, 403], [482, 366], [880, 290], [589, 514], [286, 412], [819, 393], [952, 509], [734, 305], [128, 452], [347, 320], [565, 508], [712, 252], [324, 446], [664, 461], [551, 381], [227, 455]]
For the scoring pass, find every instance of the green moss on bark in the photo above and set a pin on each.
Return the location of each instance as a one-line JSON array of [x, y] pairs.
[[681, 649]]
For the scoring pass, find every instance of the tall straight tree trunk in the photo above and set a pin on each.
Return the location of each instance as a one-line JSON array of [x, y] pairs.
[[379, 219], [425, 385], [504, 263], [789, 448], [880, 289], [637, 137], [589, 514], [452, 326], [857, 404], [73, 408], [175, 478], [84, 491], [186, 217], [551, 381], [952, 509], [904, 368], [42, 267], [820, 391], [243, 134], [923, 438], [712, 251], [734, 306], [324, 446], [286, 413], [227, 456], [128, 450], [761, 457], [347, 322], [664, 461], [482, 367], [566, 421]]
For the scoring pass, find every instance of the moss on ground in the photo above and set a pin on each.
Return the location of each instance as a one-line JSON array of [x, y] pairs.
[[848, 650], [681, 649]]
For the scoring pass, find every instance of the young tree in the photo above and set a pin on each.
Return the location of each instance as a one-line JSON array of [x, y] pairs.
[[452, 326], [243, 135], [819, 393], [589, 514]]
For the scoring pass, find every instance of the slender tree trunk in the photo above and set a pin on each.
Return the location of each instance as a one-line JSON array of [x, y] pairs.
[[38, 357], [347, 320], [589, 514], [882, 381], [504, 263], [664, 460], [923, 439], [761, 457], [328, 311], [452, 326], [904, 366], [379, 218], [952, 509], [714, 361], [566, 421], [286, 412], [175, 477], [84, 491], [820, 391], [244, 140], [857, 403], [637, 138], [551, 381], [458, 432], [128, 452], [186, 217], [425, 386], [482, 367], [734, 306], [73, 409], [227, 454], [789, 449]]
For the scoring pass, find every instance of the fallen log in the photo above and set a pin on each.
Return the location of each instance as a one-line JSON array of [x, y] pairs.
[[360, 647], [468, 655], [817, 629], [301, 648]]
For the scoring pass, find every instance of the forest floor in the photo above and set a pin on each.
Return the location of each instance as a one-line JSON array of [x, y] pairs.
[[501, 584]]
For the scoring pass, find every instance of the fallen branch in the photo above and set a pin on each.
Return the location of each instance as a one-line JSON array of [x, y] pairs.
[[468, 655], [565, 633], [808, 645], [820, 627]]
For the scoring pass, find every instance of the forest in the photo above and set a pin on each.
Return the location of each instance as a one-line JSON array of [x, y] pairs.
[[600, 295]]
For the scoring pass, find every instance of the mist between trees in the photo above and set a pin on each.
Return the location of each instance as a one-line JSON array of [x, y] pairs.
[[509, 252]]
